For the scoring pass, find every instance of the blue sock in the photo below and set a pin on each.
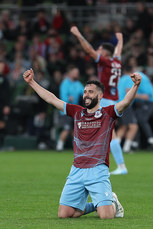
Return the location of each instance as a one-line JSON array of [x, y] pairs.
[[89, 208], [117, 151]]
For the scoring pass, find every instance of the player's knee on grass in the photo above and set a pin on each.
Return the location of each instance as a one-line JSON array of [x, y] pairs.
[[65, 211], [106, 212]]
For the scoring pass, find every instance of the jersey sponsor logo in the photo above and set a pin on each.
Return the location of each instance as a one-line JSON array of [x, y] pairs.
[[89, 125], [79, 125], [98, 114], [88, 119]]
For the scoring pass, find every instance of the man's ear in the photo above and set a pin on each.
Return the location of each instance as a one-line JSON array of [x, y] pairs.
[[100, 95]]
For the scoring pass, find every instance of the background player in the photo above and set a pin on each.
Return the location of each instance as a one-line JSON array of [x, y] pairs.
[[71, 91], [109, 71], [93, 128]]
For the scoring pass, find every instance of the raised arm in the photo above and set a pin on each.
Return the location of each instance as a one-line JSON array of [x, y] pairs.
[[84, 43], [42, 92], [119, 46], [130, 96]]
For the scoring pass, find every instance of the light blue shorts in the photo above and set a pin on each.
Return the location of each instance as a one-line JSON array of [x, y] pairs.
[[82, 182], [107, 102]]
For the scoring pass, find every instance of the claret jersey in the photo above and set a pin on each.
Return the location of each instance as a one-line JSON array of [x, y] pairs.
[[109, 72], [92, 134]]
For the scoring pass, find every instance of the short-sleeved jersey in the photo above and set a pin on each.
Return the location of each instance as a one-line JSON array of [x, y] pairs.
[[92, 134], [109, 72]]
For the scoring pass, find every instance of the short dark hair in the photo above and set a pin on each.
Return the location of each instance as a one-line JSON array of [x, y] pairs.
[[97, 83], [109, 47], [70, 67]]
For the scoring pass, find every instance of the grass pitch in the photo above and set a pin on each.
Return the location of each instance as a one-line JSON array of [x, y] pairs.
[[31, 184]]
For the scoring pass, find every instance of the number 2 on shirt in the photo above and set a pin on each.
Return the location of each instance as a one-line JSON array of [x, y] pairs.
[[116, 73]]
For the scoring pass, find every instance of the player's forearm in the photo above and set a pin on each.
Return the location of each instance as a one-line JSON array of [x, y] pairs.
[[86, 46], [46, 95], [128, 99], [119, 47], [130, 96]]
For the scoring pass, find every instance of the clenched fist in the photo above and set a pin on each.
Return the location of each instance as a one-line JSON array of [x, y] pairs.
[[136, 78], [119, 36], [28, 75], [75, 31]]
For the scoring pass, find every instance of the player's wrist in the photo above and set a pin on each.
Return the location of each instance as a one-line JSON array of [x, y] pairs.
[[31, 82]]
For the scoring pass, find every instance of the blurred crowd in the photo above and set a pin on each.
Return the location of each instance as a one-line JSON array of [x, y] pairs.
[[46, 45]]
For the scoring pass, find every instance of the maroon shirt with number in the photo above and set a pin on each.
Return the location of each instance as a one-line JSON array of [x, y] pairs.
[[109, 72], [92, 134]]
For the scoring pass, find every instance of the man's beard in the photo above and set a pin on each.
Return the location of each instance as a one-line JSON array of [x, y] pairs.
[[93, 103]]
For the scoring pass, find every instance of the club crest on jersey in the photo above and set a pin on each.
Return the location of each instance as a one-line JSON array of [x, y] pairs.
[[79, 125], [98, 114], [113, 91]]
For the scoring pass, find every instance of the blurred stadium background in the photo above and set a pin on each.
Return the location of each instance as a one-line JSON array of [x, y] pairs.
[[37, 34]]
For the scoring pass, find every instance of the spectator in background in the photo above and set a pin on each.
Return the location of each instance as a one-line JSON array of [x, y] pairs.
[[149, 67], [20, 48], [38, 125], [89, 34], [41, 24], [143, 18], [60, 22], [31, 109], [4, 100], [74, 59], [36, 58], [16, 72], [53, 46], [136, 47], [55, 64], [23, 27], [71, 91], [7, 25], [129, 28], [22, 38], [89, 71], [3, 51], [128, 126], [38, 45], [17, 67], [40, 66], [56, 80], [149, 64], [143, 107], [53, 33]]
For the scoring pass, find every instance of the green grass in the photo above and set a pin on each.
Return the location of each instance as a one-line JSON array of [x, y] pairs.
[[31, 184]]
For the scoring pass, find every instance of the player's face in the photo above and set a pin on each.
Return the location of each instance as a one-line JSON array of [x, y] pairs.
[[91, 96]]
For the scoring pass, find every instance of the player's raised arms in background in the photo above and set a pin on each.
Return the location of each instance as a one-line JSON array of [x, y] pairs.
[[90, 50]]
